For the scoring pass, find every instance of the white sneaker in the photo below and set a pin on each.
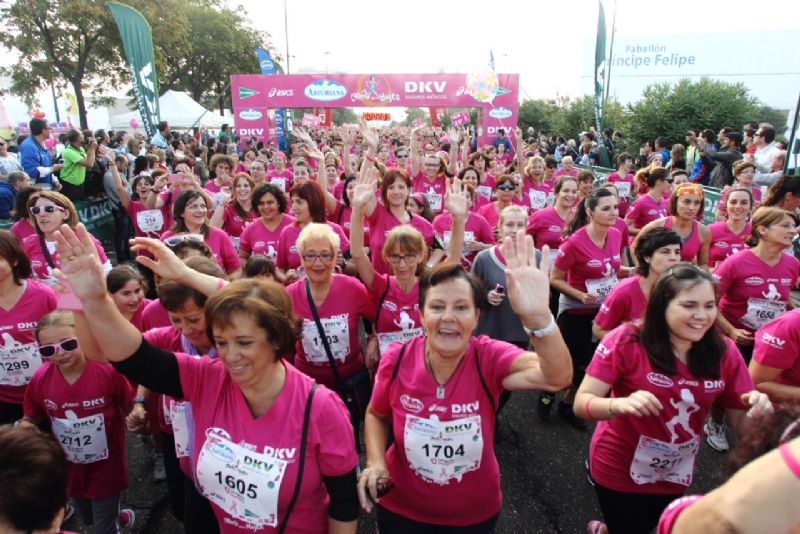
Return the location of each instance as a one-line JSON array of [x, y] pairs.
[[715, 436]]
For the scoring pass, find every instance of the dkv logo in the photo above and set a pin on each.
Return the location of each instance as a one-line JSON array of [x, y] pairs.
[[325, 91], [250, 115]]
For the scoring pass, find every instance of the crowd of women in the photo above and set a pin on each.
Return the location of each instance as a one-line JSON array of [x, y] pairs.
[[397, 286]]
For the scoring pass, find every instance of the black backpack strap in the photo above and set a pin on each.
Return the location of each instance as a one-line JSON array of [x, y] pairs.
[[47, 257], [483, 383], [399, 359], [380, 301], [324, 338], [302, 460]]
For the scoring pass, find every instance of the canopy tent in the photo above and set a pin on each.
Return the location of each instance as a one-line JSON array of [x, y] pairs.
[[178, 109]]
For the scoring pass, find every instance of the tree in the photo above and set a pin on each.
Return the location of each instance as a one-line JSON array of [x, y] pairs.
[[413, 114]]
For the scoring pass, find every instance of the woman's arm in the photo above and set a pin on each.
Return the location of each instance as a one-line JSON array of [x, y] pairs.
[[375, 476], [218, 218], [414, 152], [705, 246], [363, 196], [591, 402], [765, 378], [598, 332], [456, 201], [122, 193], [652, 224], [558, 280], [153, 201], [452, 165], [520, 152], [741, 421], [739, 336]]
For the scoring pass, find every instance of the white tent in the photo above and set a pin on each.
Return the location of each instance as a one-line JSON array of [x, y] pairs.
[[178, 109]]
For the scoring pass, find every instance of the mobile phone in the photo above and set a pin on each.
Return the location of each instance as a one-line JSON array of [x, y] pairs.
[[500, 289]]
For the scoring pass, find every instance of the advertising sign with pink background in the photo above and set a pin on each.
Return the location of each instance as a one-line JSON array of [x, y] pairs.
[[254, 95]]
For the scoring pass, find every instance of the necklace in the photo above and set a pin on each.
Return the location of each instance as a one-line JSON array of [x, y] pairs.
[[440, 388]]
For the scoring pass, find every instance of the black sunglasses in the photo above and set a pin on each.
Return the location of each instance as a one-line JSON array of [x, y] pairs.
[[506, 187], [68, 345]]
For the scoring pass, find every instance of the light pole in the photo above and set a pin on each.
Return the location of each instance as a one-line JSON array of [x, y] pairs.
[[286, 30]]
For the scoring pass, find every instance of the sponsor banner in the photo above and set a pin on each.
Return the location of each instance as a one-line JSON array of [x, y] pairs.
[[460, 119], [377, 117], [311, 121], [440, 91]]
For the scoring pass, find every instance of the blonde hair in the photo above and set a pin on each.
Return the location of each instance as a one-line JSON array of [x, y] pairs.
[[55, 319], [513, 209], [319, 231], [567, 159], [765, 216]]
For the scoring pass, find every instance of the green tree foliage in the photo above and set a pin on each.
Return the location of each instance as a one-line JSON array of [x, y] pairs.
[[568, 117]]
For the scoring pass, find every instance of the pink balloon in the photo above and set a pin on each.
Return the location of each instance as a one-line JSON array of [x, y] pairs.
[[134, 123], [50, 142]]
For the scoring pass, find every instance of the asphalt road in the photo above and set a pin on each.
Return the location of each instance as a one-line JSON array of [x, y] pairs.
[[545, 489]]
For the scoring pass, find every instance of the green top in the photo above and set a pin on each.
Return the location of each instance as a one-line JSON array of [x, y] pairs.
[[72, 173]]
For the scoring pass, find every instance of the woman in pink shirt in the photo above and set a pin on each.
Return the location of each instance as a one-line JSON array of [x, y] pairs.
[[483, 194], [25, 221], [727, 236], [585, 272], [775, 367], [686, 202], [221, 168], [251, 408], [191, 220], [743, 174], [566, 167], [233, 213], [280, 175], [535, 191], [261, 235], [127, 287], [22, 303], [438, 393], [662, 377], [504, 189], [623, 179], [649, 206]]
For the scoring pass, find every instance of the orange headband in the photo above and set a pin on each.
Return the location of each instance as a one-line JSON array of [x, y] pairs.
[[689, 189]]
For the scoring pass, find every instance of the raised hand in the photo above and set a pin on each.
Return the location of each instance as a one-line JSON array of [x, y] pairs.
[[454, 136], [369, 134], [528, 285], [456, 199], [348, 136], [80, 264], [366, 185]]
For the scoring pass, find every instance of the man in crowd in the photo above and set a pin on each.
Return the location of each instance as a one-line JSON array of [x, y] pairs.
[[35, 158], [162, 135], [77, 160], [9, 186], [765, 153], [728, 154]]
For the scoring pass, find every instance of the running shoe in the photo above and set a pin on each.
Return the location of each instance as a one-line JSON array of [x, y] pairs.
[[596, 527], [159, 471], [715, 436], [127, 518], [545, 405], [565, 411]]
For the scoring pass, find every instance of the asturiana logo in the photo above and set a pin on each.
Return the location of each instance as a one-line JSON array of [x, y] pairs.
[[500, 113], [250, 115], [325, 91]]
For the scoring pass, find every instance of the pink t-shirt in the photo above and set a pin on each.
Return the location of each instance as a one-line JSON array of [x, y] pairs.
[[546, 227], [233, 223], [624, 190], [155, 315], [169, 197], [625, 303], [690, 245], [623, 363], [722, 207], [622, 228], [458, 430], [224, 424], [584, 261], [342, 217], [380, 223], [258, 239], [41, 269], [289, 255], [778, 345], [561, 172], [475, 229], [134, 209], [165, 338], [282, 179], [22, 229], [753, 293], [489, 212], [136, 320], [536, 196], [346, 303], [433, 190], [221, 247], [102, 396], [19, 354], [724, 242], [646, 210], [399, 310]]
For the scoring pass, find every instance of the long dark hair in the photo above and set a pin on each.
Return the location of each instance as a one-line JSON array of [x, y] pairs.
[[581, 219], [704, 356], [788, 183], [179, 207]]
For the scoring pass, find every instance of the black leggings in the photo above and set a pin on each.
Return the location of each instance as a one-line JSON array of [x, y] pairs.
[[392, 523], [631, 513], [199, 516], [175, 476], [577, 331]]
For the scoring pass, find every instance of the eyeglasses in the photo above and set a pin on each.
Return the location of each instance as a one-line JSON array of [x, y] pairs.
[[506, 187], [325, 257], [397, 258], [68, 345], [175, 240], [51, 208]]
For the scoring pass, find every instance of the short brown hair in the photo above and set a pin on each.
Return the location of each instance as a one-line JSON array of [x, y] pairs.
[[765, 216], [11, 251], [445, 272], [391, 176], [59, 200], [121, 275], [216, 159], [266, 302]]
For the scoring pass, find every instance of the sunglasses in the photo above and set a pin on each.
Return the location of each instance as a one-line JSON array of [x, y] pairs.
[[68, 345], [506, 187], [36, 210], [175, 240]]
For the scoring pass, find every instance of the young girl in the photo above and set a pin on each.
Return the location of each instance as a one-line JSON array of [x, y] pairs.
[[86, 402]]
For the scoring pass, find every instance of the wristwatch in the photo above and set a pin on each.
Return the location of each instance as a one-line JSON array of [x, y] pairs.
[[138, 400], [542, 332]]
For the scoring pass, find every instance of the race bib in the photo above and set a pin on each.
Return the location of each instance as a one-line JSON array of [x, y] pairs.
[[337, 332], [180, 426], [761, 312], [243, 483], [601, 286], [280, 182], [624, 189], [538, 199], [150, 221], [18, 362], [83, 440], [387, 338], [435, 200], [468, 236], [657, 461], [484, 191], [439, 451]]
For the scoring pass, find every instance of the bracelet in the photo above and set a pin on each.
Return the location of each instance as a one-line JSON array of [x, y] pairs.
[[220, 284], [611, 414], [586, 409], [542, 332], [138, 400], [789, 459], [369, 158]]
